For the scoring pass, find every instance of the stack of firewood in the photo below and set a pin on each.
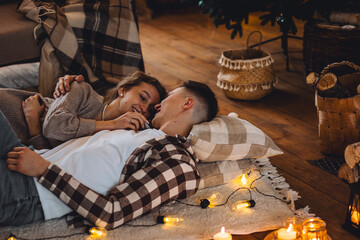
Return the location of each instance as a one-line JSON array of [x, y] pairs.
[[337, 80], [350, 170]]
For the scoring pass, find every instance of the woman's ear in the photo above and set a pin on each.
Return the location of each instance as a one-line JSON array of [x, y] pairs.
[[188, 103], [121, 92]]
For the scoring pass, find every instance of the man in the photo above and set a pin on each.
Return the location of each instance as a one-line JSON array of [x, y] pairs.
[[161, 170]]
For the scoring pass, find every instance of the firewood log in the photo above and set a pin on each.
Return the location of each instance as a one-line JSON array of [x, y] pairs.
[[312, 79], [358, 89], [352, 18], [329, 86], [350, 175], [350, 82], [352, 154]]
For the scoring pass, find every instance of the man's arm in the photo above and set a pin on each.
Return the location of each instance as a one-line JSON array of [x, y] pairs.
[[63, 84], [170, 178], [26, 161]]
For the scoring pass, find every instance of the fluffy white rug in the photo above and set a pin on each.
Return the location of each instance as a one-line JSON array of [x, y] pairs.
[[269, 213]]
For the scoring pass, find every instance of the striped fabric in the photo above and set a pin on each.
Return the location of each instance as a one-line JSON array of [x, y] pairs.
[[217, 173], [98, 39], [230, 138]]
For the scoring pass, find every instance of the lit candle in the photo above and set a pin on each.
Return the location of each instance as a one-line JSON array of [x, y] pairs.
[[314, 229], [222, 235], [355, 217], [286, 233]]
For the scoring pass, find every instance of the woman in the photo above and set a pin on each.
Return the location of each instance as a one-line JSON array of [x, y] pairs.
[[82, 111]]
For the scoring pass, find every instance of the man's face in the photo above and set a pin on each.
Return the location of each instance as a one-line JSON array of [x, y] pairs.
[[169, 108]]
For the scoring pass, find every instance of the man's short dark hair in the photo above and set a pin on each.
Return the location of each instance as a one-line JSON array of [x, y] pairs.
[[205, 94]]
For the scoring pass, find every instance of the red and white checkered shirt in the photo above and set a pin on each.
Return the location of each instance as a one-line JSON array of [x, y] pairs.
[[159, 171]]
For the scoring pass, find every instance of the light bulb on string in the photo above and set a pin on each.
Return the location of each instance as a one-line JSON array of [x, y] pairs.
[[169, 220], [211, 201], [242, 180], [97, 232], [239, 205], [12, 237]]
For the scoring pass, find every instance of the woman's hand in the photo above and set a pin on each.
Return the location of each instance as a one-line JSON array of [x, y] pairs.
[[130, 120], [63, 84], [26, 161], [32, 110]]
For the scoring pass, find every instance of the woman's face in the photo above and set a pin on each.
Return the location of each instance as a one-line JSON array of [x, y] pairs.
[[138, 99]]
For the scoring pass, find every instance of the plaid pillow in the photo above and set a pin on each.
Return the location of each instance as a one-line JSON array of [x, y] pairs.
[[217, 173], [230, 138]]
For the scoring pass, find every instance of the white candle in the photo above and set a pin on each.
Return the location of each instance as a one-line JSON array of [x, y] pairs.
[[286, 234], [222, 235]]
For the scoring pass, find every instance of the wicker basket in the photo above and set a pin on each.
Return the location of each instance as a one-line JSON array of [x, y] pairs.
[[325, 43], [339, 121], [339, 118], [246, 74]]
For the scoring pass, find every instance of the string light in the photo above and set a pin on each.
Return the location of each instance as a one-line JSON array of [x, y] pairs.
[[239, 205], [242, 180], [210, 201], [96, 232], [12, 237], [169, 220]]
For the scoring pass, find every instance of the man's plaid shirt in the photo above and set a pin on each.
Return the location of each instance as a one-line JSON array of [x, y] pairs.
[[159, 171]]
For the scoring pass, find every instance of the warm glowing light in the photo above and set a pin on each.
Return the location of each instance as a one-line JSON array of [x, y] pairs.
[[314, 229], [96, 232], [172, 220], [222, 235], [213, 199], [239, 205], [243, 179], [286, 233], [290, 228], [169, 220], [11, 238], [355, 217]]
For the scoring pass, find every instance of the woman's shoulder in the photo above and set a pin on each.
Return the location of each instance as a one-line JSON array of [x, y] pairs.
[[85, 90], [82, 86]]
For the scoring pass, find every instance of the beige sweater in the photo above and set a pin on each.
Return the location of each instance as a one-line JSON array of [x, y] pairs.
[[70, 116]]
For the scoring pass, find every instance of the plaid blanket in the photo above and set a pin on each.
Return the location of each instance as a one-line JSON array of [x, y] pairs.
[[98, 39]]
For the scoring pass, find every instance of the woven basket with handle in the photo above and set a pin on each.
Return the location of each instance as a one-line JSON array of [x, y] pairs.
[[339, 119], [246, 74], [325, 43]]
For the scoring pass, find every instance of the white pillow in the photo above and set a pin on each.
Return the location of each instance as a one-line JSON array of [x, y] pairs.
[[230, 138]]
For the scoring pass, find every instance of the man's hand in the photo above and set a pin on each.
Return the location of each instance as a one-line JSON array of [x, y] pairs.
[[63, 84], [26, 161]]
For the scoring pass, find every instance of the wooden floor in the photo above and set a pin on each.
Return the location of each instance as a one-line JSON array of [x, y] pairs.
[[185, 45]]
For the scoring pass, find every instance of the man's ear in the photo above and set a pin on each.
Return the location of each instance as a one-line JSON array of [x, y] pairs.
[[188, 103]]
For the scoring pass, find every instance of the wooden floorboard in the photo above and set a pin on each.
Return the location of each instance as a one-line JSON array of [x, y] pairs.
[[182, 45]]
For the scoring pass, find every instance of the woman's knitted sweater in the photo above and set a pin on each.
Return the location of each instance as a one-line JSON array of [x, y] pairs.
[[67, 117]]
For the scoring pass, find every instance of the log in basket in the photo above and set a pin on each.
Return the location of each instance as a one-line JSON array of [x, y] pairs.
[[246, 74]]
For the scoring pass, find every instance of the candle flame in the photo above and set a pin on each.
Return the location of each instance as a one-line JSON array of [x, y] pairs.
[[290, 228], [355, 215], [223, 230]]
